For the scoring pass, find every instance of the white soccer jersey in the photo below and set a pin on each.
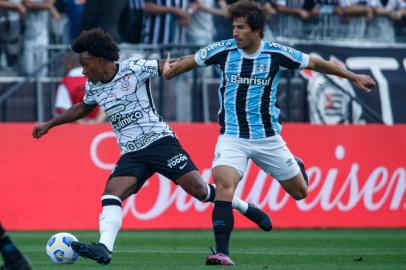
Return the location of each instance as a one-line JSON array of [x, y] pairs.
[[128, 104]]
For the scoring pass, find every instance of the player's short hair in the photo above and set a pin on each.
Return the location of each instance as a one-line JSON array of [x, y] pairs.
[[251, 11], [97, 43]]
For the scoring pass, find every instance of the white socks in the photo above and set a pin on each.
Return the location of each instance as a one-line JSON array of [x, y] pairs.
[[239, 205], [110, 220]]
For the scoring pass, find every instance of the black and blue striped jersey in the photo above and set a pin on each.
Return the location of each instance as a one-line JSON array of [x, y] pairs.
[[248, 87]]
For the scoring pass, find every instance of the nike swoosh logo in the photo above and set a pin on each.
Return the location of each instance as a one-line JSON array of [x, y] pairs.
[[182, 166]]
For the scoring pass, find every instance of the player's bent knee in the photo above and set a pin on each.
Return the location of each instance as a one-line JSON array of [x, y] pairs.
[[194, 185], [223, 186], [200, 193], [299, 194], [122, 186]]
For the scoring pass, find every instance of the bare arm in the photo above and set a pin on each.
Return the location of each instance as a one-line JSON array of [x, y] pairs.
[[13, 6], [45, 5], [74, 113], [152, 8], [222, 10], [364, 82], [356, 10], [100, 118], [179, 66], [38, 5], [397, 15], [303, 14], [162, 9]]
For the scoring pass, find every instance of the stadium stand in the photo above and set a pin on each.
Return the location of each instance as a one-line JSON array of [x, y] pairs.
[[31, 97]]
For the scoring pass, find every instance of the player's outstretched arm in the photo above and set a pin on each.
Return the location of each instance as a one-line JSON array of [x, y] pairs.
[[72, 114], [172, 68], [363, 82]]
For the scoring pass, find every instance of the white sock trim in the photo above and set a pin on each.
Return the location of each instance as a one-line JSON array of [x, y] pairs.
[[208, 192], [240, 205], [111, 197]]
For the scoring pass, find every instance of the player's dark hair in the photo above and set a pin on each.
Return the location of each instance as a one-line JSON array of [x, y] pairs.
[[97, 43], [252, 12]]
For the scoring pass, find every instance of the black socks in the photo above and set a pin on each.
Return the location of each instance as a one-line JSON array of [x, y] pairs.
[[223, 224]]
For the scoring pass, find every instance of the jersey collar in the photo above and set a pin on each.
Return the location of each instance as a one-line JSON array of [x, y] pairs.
[[253, 55]]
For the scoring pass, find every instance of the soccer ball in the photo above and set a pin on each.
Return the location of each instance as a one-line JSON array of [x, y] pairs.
[[59, 250]]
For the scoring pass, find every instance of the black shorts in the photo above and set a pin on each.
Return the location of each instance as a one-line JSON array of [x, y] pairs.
[[165, 156]]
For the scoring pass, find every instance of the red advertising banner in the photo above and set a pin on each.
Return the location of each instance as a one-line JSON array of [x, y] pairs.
[[357, 179]]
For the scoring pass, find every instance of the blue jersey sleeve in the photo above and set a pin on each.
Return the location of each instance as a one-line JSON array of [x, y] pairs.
[[209, 55], [289, 58]]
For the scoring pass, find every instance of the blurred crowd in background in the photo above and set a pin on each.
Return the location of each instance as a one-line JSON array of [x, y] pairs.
[[39, 74], [27, 27]]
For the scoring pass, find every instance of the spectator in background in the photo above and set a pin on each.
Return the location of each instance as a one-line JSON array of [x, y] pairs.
[[357, 8], [200, 30], [36, 34], [131, 21], [74, 11], [379, 7], [72, 89], [268, 6], [293, 7], [396, 9], [222, 22], [164, 21], [11, 13], [326, 7], [13, 258], [105, 15]]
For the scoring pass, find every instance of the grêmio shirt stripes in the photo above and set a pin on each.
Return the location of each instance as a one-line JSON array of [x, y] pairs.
[[249, 83]]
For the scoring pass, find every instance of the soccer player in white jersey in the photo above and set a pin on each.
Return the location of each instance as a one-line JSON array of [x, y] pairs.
[[122, 90], [248, 115]]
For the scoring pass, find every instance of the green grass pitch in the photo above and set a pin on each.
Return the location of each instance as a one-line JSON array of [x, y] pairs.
[[278, 249]]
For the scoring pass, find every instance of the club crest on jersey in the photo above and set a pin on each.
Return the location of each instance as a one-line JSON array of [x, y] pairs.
[[125, 83], [260, 67], [203, 53]]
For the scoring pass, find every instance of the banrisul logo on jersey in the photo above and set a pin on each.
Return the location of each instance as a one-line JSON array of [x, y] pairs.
[[246, 80]]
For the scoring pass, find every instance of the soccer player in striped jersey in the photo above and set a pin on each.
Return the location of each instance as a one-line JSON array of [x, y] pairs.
[[248, 114], [148, 144]]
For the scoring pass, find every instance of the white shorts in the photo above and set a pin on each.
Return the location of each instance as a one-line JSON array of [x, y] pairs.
[[271, 154]]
